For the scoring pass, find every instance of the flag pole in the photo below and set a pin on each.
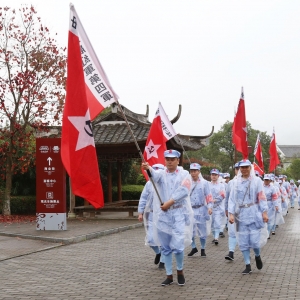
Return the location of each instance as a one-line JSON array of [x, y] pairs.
[[139, 149]]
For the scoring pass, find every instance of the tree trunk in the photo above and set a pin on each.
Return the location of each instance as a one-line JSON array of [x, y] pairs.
[[8, 184]]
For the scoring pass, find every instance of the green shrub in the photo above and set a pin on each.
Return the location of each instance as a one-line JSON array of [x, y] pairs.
[[21, 205], [129, 192], [141, 180]]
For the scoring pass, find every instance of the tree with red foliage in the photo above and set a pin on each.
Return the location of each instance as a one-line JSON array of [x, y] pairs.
[[32, 89]]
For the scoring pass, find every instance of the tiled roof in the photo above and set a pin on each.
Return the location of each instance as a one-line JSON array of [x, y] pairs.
[[290, 151], [117, 132], [112, 129]]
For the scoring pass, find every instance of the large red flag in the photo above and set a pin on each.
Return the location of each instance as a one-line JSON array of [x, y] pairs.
[[258, 153], [274, 159], [240, 128], [78, 146]]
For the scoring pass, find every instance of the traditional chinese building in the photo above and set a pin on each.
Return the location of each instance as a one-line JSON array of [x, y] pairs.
[[115, 144]]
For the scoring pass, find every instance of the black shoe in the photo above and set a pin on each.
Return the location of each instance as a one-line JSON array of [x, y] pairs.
[[298, 208], [203, 254], [269, 238], [194, 251], [161, 266], [247, 270], [222, 235], [180, 279], [273, 232], [229, 256], [157, 258], [213, 241], [216, 242], [259, 263], [168, 281]]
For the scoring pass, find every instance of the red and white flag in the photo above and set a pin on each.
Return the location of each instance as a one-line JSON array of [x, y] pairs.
[[78, 146], [167, 127], [257, 168], [99, 92], [258, 153], [160, 132], [274, 159], [240, 128]]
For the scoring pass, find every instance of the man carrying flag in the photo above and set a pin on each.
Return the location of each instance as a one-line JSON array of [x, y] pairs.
[[173, 219], [88, 93]]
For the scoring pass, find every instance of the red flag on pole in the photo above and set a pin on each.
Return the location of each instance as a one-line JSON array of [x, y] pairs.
[[161, 131], [258, 153], [274, 159], [78, 146], [240, 128], [257, 168]]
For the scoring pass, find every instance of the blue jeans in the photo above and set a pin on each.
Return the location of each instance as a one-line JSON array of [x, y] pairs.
[[231, 243], [216, 233], [246, 255], [168, 262], [292, 201], [202, 242], [156, 249]]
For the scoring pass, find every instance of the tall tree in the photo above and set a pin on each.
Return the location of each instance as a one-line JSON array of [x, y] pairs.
[[32, 88], [294, 169]]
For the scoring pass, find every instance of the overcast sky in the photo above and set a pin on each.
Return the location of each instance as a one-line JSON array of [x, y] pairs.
[[195, 53]]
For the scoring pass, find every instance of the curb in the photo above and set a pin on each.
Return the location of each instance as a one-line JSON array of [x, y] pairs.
[[31, 252], [76, 239]]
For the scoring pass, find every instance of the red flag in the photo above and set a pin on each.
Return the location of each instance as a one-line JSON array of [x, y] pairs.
[[155, 144], [240, 128], [258, 153], [274, 159], [78, 146], [257, 168]]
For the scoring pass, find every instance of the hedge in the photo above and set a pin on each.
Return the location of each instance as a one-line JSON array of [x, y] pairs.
[[129, 192], [26, 205], [21, 205]]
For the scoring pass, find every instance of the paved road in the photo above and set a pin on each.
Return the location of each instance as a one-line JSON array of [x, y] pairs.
[[119, 266]]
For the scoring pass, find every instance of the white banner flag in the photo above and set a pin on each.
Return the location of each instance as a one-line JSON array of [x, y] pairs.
[[167, 127], [98, 89]]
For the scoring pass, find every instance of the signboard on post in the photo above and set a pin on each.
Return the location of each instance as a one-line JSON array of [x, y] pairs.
[[50, 186]]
